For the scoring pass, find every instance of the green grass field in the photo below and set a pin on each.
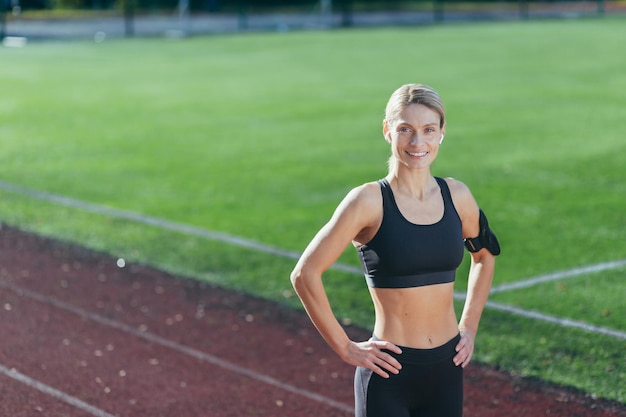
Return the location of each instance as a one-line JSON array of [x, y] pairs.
[[261, 135]]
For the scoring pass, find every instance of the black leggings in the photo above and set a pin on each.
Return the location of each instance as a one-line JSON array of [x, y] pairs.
[[428, 385]]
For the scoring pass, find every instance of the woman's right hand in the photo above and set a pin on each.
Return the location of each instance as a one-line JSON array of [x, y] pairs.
[[372, 355]]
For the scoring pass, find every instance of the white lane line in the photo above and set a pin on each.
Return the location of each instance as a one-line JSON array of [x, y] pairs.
[[529, 282], [262, 247], [238, 241], [460, 296], [46, 389], [161, 223], [205, 357], [557, 320]]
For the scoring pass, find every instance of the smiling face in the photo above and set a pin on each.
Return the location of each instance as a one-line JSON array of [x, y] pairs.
[[414, 136], [414, 124]]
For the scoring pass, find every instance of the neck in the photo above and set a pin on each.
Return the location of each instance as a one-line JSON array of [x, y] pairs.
[[417, 183]]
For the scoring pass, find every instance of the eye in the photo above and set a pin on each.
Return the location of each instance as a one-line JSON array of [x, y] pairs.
[[405, 130]]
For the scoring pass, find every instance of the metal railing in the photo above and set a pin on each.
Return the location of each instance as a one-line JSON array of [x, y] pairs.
[[185, 18]]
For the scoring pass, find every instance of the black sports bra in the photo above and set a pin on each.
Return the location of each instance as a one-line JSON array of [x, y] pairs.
[[404, 254]]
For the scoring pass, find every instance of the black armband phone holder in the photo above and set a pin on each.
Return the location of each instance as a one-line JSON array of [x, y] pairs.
[[486, 237]]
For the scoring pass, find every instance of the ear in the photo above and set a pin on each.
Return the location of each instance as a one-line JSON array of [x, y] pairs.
[[386, 131]]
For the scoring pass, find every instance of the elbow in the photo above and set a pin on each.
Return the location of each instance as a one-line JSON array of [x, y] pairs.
[[295, 277], [485, 257], [302, 280], [483, 264]]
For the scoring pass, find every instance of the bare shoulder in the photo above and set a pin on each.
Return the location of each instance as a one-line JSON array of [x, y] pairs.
[[363, 199], [464, 203], [367, 193], [459, 191], [360, 212]]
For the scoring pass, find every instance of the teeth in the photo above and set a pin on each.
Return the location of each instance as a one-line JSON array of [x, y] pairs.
[[418, 154]]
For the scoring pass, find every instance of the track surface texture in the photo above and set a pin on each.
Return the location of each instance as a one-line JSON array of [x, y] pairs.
[[84, 337]]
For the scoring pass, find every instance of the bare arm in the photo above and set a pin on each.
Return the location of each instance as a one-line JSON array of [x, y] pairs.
[[478, 287], [480, 274], [353, 215]]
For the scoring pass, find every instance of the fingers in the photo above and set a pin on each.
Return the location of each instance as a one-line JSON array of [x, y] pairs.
[[462, 359], [388, 346], [375, 356], [465, 350], [385, 362]]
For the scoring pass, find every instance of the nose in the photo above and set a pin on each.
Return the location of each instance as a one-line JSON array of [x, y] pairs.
[[416, 139]]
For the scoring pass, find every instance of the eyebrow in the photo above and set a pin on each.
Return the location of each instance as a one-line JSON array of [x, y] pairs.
[[404, 122]]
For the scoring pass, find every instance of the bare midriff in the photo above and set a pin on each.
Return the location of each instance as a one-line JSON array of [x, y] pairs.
[[417, 317]]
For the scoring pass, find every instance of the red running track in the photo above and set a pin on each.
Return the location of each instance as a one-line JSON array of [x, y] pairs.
[[82, 337]]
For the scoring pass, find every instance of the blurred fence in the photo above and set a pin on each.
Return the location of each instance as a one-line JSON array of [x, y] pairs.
[[99, 19]]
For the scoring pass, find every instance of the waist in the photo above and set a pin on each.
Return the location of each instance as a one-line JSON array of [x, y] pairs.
[[440, 353]]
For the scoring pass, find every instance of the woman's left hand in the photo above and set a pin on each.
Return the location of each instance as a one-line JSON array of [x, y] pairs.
[[464, 349]]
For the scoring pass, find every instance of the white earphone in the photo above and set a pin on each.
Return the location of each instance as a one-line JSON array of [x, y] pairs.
[[441, 140]]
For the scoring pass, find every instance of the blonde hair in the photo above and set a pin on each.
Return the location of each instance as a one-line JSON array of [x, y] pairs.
[[414, 94]]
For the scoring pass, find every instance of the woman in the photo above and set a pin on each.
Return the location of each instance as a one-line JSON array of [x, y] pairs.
[[409, 230]]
